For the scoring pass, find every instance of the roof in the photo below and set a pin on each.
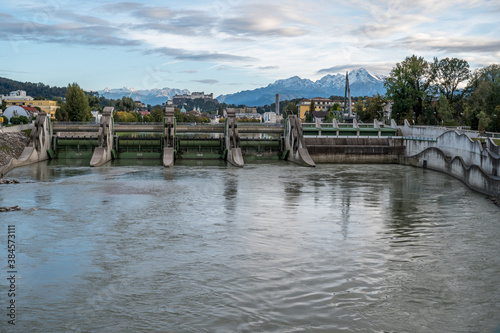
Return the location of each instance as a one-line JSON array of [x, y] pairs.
[[30, 109]]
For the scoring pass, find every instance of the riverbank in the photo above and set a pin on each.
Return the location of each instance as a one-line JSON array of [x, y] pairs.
[[11, 146]]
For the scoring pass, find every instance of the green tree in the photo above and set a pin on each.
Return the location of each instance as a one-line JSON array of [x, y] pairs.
[[484, 121], [448, 73], [157, 115], [94, 102], [483, 95], [290, 108], [62, 114], [445, 112], [23, 120], [77, 105], [407, 85], [374, 109]]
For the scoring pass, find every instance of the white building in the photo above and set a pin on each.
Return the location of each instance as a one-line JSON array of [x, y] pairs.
[[270, 117], [97, 116]]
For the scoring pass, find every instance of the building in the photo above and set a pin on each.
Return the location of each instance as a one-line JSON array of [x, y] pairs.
[[19, 98], [320, 116], [181, 99], [20, 110], [270, 117], [245, 109], [320, 104], [97, 116]]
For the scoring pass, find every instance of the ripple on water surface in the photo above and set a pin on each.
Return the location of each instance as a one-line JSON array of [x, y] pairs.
[[265, 248]]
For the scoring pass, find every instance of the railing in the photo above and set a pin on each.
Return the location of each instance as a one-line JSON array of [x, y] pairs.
[[138, 123]]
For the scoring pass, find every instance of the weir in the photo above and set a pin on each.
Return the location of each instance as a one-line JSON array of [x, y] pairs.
[[103, 153], [232, 150], [465, 155], [39, 147]]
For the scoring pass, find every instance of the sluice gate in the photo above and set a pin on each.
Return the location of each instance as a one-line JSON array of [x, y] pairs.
[[235, 142]]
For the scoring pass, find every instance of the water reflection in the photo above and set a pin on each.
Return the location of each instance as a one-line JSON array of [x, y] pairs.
[[357, 248]]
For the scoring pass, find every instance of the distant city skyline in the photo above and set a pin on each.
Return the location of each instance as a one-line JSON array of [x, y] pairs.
[[223, 47]]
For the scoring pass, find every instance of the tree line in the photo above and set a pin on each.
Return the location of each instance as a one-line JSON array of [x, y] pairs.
[[445, 92]]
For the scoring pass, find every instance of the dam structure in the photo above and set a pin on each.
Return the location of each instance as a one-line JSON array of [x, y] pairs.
[[462, 154]]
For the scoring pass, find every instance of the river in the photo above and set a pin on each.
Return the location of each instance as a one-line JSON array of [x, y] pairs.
[[270, 247]]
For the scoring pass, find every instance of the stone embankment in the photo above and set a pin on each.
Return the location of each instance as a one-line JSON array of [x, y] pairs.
[[11, 146]]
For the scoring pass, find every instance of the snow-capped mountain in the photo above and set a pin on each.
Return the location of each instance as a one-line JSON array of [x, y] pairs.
[[361, 82], [149, 96]]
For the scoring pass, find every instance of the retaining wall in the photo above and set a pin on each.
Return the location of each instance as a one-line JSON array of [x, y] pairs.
[[455, 153]]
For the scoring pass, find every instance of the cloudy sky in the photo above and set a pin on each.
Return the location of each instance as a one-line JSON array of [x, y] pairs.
[[226, 46]]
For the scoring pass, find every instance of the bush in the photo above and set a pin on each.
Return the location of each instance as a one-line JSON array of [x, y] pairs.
[[15, 120], [5, 120], [24, 120]]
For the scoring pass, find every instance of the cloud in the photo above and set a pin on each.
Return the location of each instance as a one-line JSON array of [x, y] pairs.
[[265, 68], [71, 33], [206, 81], [190, 71], [449, 44], [382, 67], [182, 54], [264, 19]]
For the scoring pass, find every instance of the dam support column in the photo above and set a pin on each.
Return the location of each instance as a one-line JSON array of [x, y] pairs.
[[103, 153], [169, 137], [39, 146], [232, 140], [295, 148]]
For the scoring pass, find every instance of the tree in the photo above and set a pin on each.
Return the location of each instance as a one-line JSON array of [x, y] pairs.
[[77, 106], [62, 114], [374, 109], [445, 112], [407, 85], [5, 120], [23, 120], [483, 95], [290, 108], [157, 115], [448, 74]]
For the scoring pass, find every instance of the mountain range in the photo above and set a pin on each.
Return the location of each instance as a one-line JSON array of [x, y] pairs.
[[146, 96], [361, 83]]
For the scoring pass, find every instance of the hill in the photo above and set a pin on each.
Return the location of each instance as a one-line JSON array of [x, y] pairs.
[[32, 89]]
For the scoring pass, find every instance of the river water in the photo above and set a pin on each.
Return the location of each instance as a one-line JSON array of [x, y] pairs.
[[266, 248]]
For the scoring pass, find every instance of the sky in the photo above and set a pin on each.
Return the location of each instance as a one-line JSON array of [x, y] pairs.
[[226, 46]]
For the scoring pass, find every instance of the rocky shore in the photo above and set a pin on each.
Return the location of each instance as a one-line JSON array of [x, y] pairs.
[[495, 200], [11, 146]]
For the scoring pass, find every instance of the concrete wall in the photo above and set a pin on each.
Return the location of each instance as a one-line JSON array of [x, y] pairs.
[[453, 144], [17, 128], [431, 132], [474, 176], [455, 153]]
